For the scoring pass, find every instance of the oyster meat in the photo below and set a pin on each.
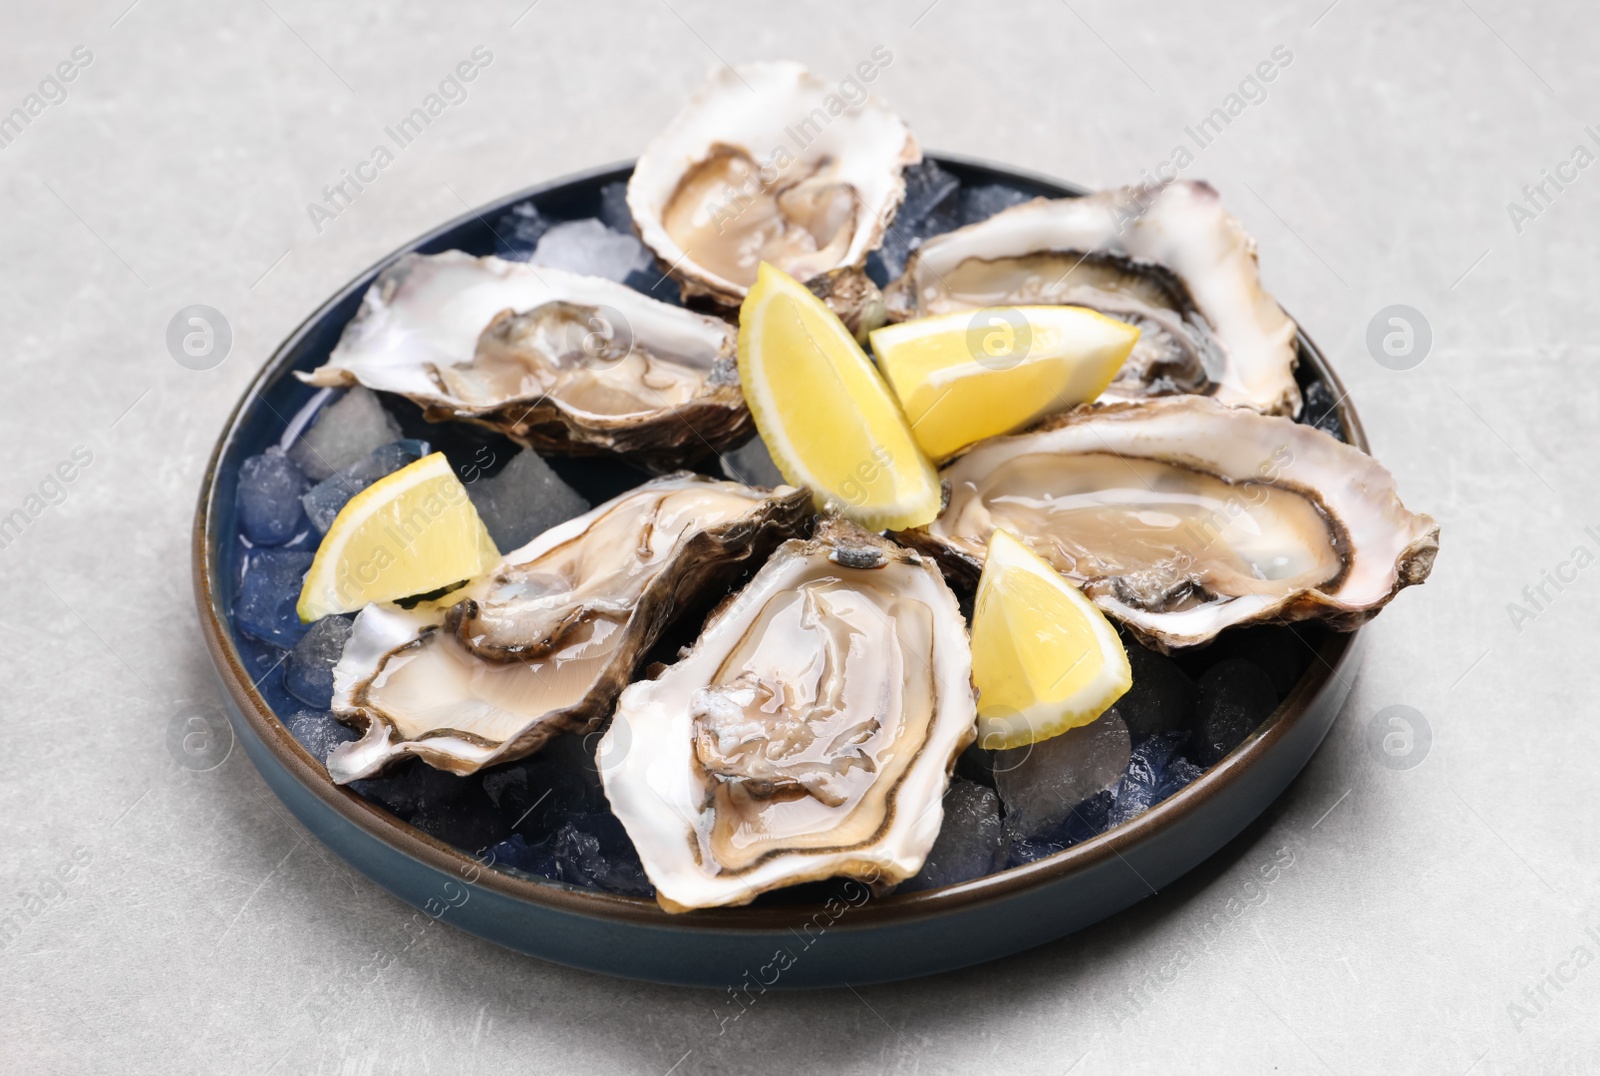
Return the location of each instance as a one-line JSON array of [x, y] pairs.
[[1182, 516], [564, 363], [1166, 258], [808, 734], [767, 162], [544, 642]]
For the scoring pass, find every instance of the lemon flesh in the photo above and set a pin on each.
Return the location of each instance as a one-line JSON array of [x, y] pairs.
[[973, 374], [829, 421], [408, 533], [1044, 659]]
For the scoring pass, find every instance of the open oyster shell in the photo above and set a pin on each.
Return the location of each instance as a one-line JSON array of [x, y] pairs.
[[544, 642], [769, 162], [808, 734], [1181, 517], [567, 364], [1167, 258]]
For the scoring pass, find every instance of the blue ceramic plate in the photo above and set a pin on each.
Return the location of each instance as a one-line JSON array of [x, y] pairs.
[[804, 938]]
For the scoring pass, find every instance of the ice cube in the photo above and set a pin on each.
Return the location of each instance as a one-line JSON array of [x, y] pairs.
[[878, 270], [1180, 774], [523, 501], [976, 764], [414, 787], [926, 186], [1282, 654], [971, 840], [387, 459], [981, 203], [1087, 819], [308, 672], [656, 285], [467, 821], [345, 431], [517, 231], [1041, 783], [1162, 697], [752, 464], [944, 217], [264, 608], [270, 486], [1147, 769], [614, 211], [573, 854], [517, 853], [593, 850], [319, 732], [507, 786], [1235, 696], [1320, 408], [589, 247], [898, 243], [537, 795], [575, 755], [1082, 822], [323, 500]]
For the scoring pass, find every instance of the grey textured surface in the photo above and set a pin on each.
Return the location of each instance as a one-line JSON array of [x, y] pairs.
[[1421, 904]]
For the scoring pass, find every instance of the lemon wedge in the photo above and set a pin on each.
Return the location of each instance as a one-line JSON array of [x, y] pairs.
[[408, 533], [828, 419], [1044, 659], [973, 374]]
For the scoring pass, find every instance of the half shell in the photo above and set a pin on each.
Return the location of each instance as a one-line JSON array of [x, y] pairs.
[[567, 364], [1169, 259], [767, 162], [544, 643], [1181, 517], [808, 734]]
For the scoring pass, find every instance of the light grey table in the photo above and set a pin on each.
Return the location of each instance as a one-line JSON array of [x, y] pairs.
[[1436, 919]]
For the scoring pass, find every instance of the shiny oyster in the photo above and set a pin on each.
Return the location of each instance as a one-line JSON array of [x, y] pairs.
[[769, 163], [564, 363], [1181, 517], [808, 734], [1168, 259], [544, 642]]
